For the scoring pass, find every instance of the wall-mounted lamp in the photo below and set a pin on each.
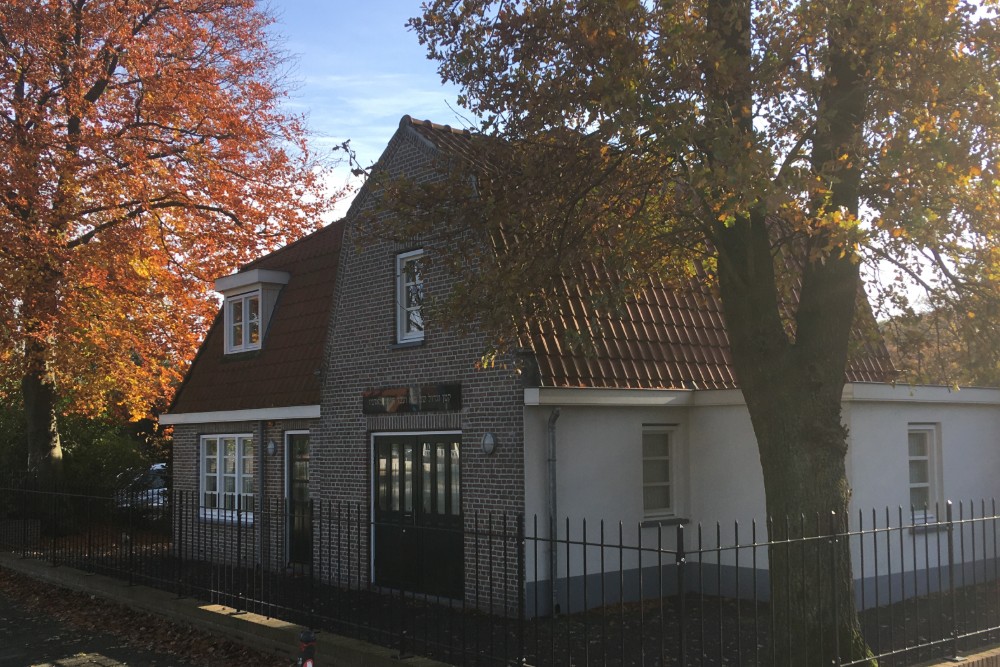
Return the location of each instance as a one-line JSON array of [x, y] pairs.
[[271, 448], [489, 443]]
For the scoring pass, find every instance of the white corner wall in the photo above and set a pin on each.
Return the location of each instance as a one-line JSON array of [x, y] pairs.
[[599, 457], [878, 417], [599, 461]]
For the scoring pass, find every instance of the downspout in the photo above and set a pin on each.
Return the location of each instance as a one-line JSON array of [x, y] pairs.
[[553, 509]]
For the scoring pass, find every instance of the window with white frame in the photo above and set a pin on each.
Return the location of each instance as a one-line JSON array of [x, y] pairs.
[[923, 452], [243, 322], [658, 473], [227, 475], [409, 297]]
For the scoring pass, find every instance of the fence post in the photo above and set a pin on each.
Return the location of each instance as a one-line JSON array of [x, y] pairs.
[[521, 589], [834, 541], [130, 537], [681, 606], [52, 527], [951, 580]]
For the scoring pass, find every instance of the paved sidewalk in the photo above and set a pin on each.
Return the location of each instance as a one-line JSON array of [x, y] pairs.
[[268, 635], [33, 639]]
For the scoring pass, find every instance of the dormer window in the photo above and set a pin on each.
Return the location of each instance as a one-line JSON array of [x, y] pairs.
[[409, 297], [250, 300], [243, 322]]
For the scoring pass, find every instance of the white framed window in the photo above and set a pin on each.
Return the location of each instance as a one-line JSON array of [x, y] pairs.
[[409, 297], [659, 471], [243, 322], [924, 463], [227, 476]]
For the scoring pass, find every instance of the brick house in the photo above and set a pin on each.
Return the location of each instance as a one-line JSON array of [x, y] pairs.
[[318, 382]]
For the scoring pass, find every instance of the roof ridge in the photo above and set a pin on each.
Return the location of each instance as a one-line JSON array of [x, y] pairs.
[[407, 119]]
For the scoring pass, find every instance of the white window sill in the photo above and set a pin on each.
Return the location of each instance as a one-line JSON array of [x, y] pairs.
[[226, 516], [663, 520]]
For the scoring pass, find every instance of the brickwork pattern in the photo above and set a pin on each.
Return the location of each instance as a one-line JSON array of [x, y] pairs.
[[362, 355], [261, 541]]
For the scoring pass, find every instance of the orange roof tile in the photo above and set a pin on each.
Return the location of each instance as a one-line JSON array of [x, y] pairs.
[[286, 370]]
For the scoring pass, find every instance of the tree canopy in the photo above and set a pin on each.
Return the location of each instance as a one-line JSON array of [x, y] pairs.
[[644, 131], [145, 152], [770, 148]]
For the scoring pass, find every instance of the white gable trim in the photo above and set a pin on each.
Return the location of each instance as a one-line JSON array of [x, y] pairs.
[[856, 392], [606, 397], [891, 393], [244, 279], [256, 414]]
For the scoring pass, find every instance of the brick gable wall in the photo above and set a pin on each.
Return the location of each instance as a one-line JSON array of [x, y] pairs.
[[362, 355]]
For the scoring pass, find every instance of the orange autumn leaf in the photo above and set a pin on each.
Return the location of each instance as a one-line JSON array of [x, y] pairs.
[[144, 152]]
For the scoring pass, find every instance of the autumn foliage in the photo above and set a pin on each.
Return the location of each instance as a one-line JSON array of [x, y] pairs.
[[144, 152]]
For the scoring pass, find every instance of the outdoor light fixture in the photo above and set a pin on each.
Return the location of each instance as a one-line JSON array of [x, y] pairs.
[[489, 443], [271, 448]]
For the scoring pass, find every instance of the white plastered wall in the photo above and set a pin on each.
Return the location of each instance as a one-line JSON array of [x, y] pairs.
[[599, 469]]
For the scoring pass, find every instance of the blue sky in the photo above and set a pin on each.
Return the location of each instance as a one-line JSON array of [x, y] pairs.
[[357, 70]]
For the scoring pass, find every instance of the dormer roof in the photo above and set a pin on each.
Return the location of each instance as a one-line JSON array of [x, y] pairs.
[[286, 370]]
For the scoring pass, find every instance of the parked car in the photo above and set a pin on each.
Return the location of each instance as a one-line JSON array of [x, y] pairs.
[[146, 492]]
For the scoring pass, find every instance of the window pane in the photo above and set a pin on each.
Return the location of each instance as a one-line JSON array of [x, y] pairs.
[[229, 484], [253, 317], [655, 444], [919, 496], [211, 465], [414, 296], [248, 452], [425, 486], [918, 443], [211, 484], [211, 447], [918, 472], [456, 494], [236, 323], [656, 498], [383, 481], [408, 479], [395, 478], [414, 321], [229, 456], [656, 470], [442, 478]]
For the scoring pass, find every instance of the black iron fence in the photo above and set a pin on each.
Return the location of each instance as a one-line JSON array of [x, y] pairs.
[[926, 585]]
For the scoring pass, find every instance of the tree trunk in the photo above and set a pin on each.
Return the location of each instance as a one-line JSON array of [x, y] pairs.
[[44, 446], [802, 450], [792, 378]]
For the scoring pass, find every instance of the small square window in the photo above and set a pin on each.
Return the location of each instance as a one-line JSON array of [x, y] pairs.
[[658, 470], [923, 454], [227, 477], [409, 297], [243, 322]]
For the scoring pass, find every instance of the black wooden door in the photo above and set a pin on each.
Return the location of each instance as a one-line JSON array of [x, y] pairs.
[[418, 516], [299, 519]]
